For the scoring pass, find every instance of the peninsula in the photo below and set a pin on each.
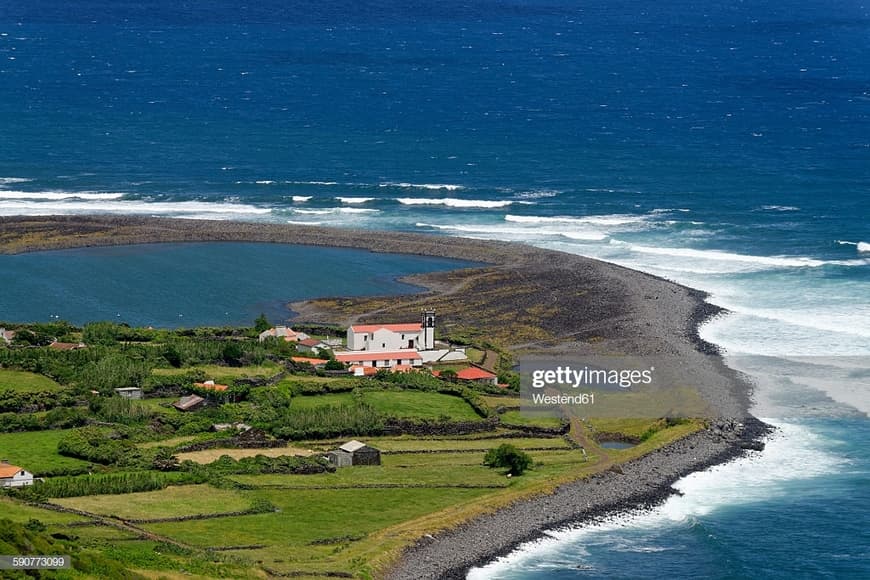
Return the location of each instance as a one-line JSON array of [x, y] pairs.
[[520, 300]]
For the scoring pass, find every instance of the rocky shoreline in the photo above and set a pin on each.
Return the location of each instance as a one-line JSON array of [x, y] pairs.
[[636, 485], [580, 306]]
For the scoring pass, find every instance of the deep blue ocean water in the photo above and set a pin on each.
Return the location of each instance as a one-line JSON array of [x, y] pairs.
[[725, 145]]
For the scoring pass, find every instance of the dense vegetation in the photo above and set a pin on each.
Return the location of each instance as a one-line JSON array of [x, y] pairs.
[[254, 453]]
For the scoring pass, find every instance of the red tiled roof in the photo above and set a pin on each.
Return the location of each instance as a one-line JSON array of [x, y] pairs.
[[367, 371], [211, 386], [9, 470], [402, 369], [66, 345], [309, 360], [474, 374], [406, 327], [365, 356], [309, 342]]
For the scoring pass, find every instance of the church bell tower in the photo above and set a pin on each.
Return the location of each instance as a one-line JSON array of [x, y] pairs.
[[428, 329]]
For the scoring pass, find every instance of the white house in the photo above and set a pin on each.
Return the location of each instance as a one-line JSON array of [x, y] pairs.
[[393, 337], [284, 332], [311, 345], [7, 335], [14, 476]]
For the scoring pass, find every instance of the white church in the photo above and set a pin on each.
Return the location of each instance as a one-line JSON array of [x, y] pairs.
[[395, 345]]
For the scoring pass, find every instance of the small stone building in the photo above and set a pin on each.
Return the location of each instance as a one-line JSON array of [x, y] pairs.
[[354, 453], [130, 392], [189, 403]]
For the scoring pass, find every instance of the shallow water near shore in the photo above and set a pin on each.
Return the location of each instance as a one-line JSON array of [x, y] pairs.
[[195, 284]]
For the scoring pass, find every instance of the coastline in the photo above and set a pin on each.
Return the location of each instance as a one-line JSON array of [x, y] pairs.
[[637, 485], [592, 306]]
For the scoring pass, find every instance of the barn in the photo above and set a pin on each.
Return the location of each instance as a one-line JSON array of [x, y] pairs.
[[354, 453]]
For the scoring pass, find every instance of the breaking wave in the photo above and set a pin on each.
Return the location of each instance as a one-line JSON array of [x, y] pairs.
[[762, 261], [498, 230], [598, 220], [454, 202], [432, 186], [197, 209], [355, 199], [58, 195]]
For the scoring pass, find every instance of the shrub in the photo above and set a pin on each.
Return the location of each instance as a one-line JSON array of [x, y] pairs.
[[508, 456]]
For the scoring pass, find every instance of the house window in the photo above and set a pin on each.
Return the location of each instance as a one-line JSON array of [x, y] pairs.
[[383, 345]]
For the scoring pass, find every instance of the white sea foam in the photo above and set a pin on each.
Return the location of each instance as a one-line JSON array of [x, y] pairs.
[[792, 454], [860, 246], [312, 182], [598, 220], [334, 210], [356, 210], [537, 194], [355, 199], [779, 208], [12, 180], [514, 232], [264, 182], [301, 198], [57, 195], [445, 186], [754, 262], [454, 202], [175, 208], [302, 223]]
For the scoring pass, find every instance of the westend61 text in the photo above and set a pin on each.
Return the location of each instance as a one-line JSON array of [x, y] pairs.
[[585, 376], [578, 399]]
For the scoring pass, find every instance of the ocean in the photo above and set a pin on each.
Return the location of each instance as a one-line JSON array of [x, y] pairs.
[[724, 145]]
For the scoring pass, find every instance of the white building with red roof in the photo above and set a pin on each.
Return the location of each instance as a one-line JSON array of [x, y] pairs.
[[385, 346], [477, 375], [393, 337], [384, 337], [284, 332], [14, 476], [381, 360]]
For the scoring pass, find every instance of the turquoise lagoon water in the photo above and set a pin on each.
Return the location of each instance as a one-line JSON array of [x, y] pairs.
[[192, 284]]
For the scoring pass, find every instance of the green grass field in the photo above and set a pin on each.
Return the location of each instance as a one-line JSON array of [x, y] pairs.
[[308, 516], [20, 512], [173, 501], [388, 474], [519, 418], [25, 382], [36, 451], [403, 404]]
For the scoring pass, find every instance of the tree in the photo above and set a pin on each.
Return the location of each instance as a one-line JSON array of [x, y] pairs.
[[508, 456], [261, 323], [232, 354], [333, 365], [172, 356]]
